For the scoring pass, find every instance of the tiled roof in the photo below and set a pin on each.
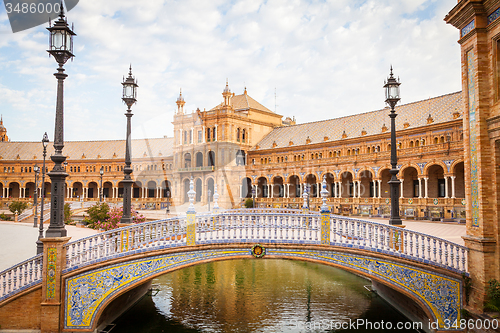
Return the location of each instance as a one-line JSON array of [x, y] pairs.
[[108, 149], [415, 114], [244, 102]]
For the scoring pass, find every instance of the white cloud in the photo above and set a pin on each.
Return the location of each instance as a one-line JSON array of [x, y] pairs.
[[325, 59]]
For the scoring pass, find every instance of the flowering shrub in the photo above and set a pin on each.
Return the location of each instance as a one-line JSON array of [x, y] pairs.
[[112, 218]]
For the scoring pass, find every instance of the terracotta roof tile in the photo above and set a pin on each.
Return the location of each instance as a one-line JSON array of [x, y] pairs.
[[440, 108], [108, 149], [244, 102]]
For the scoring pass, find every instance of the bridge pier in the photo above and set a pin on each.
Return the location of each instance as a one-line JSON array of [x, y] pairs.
[[54, 261]]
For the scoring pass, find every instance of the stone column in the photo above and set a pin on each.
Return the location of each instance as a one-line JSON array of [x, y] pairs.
[[426, 179], [401, 189], [379, 188], [340, 189], [420, 187], [54, 261], [453, 187], [318, 190], [446, 187]]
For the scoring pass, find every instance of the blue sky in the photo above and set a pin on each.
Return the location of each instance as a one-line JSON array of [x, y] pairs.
[[325, 59]]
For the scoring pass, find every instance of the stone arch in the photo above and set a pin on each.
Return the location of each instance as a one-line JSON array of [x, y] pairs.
[[14, 190], [262, 191], [186, 160], [371, 267], [107, 189], [198, 187], [382, 168], [436, 183], [93, 190], [294, 189], [330, 181], [199, 159], [77, 189], [185, 189], [429, 164], [409, 165], [311, 180], [409, 176], [210, 188], [365, 176], [166, 189], [346, 178], [277, 187], [458, 171], [385, 188], [211, 158], [246, 187], [151, 189]]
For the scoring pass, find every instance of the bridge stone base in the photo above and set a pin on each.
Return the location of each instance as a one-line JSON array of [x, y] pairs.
[[89, 292]]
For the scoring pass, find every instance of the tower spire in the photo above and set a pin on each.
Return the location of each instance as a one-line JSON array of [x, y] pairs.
[[180, 103]]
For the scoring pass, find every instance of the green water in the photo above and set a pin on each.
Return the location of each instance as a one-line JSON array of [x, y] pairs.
[[258, 296]]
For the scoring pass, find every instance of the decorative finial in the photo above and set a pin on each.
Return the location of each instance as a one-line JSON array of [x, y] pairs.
[[61, 14], [130, 70]]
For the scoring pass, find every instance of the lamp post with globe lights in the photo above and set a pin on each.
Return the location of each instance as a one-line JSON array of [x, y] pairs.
[[101, 172], [39, 243], [392, 97], [61, 48], [36, 170], [129, 98]]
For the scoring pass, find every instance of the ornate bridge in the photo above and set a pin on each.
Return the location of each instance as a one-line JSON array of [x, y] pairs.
[[74, 282]]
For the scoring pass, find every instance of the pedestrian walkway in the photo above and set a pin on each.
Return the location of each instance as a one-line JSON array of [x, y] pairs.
[[18, 241]]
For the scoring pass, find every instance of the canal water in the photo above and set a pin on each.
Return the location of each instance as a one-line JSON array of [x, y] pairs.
[[259, 296]]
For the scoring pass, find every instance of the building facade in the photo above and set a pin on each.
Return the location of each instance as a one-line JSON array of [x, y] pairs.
[[249, 151]]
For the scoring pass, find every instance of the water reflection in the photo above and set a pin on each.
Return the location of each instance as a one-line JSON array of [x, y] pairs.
[[254, 296]]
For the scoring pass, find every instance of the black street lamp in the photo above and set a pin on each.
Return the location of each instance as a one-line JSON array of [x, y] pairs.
[[61, 48], [36, 170], [129, 97], [392, 98], [101, 172], [39, 243]]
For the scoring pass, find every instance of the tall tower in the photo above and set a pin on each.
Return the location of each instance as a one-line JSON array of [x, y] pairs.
[[226, 93], [180, 103], [3, 131], [478, 23]]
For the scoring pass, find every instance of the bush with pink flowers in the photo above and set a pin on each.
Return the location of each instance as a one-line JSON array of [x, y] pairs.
[[111, 219]]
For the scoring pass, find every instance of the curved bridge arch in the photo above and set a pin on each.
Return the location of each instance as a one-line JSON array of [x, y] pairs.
[[90, 290]]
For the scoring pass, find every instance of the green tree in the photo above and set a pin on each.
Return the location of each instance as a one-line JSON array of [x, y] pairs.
[[248, 203], [17, 207], [97, 213], [67, 213], [493, 296]]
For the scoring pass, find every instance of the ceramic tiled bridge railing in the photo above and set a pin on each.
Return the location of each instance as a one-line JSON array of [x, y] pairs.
[[245, 226]]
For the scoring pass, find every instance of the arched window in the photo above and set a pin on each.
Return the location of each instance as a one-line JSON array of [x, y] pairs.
[[368, 150], [417, 143], [238, 134], [243, 135], [208, 134], [436, 140], [411, 144]]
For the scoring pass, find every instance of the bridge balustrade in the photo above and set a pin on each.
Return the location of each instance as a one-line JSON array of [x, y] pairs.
[[21, 276], [269, 226]]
